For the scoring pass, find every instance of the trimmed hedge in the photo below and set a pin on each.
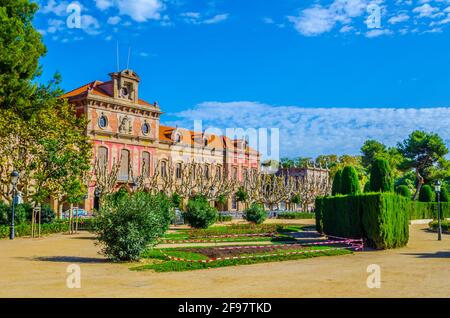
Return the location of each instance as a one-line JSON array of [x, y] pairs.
[[295, 215], [380, 218], [24, 229], [427, 210]]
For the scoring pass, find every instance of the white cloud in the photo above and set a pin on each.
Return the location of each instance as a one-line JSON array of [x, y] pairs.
[[318, 19], [103, 4], [55, 25], [138, 10], [216, 19], [58, 8], [313, 21], [114, 20], [314, 131], [378, 32], [402, 17], [427, 11], [90, 25], [196, 18]]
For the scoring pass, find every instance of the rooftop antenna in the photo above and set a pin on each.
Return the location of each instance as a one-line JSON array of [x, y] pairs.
[[117, 56], [129, 53]]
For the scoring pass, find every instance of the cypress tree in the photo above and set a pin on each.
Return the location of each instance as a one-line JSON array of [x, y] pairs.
[[337, 183], [350, 181], [426, 194], [404, 191], [381, 176]]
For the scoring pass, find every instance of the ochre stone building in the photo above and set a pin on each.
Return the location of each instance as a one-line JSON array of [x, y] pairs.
[[124, 127]]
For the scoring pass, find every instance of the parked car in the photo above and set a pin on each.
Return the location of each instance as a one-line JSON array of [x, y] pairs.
[[80, 212]]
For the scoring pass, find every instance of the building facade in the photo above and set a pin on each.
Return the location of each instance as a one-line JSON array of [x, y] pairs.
[[124, 128]]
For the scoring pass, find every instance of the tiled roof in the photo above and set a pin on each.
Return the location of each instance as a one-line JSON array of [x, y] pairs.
[[99, 88], [192, 137]]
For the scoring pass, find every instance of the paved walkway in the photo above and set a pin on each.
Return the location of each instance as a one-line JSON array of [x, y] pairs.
[[37, 268]]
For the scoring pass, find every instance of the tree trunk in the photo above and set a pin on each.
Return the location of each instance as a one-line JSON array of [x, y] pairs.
[[420, 182]]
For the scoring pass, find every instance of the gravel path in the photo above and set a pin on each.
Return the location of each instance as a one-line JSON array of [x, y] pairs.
[[37, 268]]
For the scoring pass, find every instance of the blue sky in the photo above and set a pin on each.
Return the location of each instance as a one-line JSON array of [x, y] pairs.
[[317, 70]]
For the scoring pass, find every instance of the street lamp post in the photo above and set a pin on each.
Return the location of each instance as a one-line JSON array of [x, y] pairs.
[[437, 188], [14, 180]]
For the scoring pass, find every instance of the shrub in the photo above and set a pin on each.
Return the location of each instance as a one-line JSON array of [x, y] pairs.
[[47, 214], [337, 183], [445, 225], [295, 215], [404, 191], [241, 195], [4, 213], [350, 181], [426, 194], [199, 213], [21, 212], [381, 176], [176, 200], [126, 225], [255, 213], [224, 218], [380, 218], [444, 195], [121, 194], [296, 199]]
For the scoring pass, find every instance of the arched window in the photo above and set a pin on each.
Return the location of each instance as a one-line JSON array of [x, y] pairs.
[[235, 173], [102, 156], [234, 202], [245, 173], [178, 171], [145, 164], [124, 164], [205, 142], [206, 171], [164, 169], [219, 173], [177, 138]]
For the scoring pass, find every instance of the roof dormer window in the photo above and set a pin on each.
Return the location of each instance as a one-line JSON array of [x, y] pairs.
[[177, 137]]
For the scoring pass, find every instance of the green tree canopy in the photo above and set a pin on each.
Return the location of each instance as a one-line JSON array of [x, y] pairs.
[[421, 150], [370, 150], [21, 46], [40, 134]]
